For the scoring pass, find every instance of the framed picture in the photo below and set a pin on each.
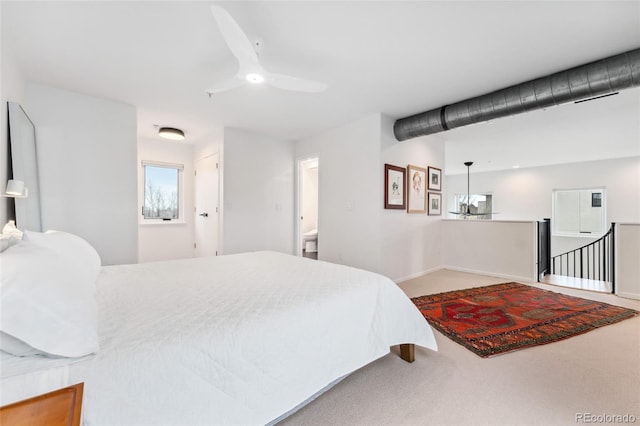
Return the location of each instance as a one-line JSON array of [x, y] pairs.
[[435, 203], [394, 187], [435, 178], [416, 189]]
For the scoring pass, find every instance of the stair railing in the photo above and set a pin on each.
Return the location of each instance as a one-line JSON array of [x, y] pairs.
[[594, 261]]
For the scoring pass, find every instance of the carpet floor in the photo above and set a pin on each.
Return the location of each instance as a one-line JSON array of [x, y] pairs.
[[501, 318]]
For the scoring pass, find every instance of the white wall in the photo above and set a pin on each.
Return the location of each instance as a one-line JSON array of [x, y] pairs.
[[628, 267], [525, 194], [410, 243], [258, 193], [87, 162], [310, 199], [349, 185], [12, 89], [491, 247], [212, 145], [353, 227], [173, 239]]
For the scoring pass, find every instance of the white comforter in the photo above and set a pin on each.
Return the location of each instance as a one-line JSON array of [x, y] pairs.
[[238, 339]]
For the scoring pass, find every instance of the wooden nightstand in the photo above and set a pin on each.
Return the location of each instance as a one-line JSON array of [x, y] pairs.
[[58, 408]]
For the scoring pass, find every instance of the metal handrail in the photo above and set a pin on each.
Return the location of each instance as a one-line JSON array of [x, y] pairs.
[[592, 261]]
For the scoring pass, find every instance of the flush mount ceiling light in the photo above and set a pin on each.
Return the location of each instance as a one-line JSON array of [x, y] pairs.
[[171, 133]]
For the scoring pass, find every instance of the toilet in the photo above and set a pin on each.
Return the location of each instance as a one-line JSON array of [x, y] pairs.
[[310, 241]]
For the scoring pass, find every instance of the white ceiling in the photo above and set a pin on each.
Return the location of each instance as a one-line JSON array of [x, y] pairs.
[[397, 58]]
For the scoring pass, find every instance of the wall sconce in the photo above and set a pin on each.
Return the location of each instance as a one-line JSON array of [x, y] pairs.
[[15, 189]]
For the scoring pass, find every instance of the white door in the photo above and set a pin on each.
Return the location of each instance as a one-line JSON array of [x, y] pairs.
[[206, 209]]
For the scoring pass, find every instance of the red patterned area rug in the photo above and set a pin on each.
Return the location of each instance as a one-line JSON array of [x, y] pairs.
[[505, 317]]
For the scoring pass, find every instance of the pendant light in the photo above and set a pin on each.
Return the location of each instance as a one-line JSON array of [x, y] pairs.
[[468, 164]]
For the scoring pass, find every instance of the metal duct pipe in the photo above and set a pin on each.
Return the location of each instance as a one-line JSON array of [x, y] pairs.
[[596, 78]]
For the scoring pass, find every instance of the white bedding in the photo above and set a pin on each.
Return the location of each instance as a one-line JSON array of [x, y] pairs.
[[237, 339]]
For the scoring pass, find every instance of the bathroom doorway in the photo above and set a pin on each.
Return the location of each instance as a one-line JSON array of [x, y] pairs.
[[307, 229]]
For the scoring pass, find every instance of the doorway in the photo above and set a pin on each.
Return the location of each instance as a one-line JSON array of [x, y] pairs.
[[307, 229], [206, 210]]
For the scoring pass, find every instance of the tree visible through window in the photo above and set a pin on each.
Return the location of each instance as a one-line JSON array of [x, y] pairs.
[[161, 191]]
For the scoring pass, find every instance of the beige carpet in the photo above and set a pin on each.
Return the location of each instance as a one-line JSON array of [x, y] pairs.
[[594, 374]]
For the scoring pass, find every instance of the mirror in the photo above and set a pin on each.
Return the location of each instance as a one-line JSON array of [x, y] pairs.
[[22, 137]]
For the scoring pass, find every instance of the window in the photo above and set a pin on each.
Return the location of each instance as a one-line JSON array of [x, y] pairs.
[[481, 205], [162, 191], [579, 212]]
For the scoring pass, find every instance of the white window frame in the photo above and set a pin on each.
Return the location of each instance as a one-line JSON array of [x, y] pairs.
[[555, 221], [181, 194]]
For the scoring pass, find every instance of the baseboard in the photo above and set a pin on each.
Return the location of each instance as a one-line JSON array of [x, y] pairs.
[[489, 274], [628, 295], [417, 274]]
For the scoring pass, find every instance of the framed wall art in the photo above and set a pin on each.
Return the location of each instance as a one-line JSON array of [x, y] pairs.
[[394, 187], [435, 203], [435, 179], [416, 189]]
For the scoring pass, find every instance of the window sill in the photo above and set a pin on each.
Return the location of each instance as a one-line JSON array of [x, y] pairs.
[[153, 222]]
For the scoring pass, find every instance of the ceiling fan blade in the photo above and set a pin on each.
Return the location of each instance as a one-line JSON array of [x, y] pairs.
[[236, 39], [287, 82], [224, 85]]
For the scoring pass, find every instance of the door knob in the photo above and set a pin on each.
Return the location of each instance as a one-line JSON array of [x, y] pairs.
[[204, 214]]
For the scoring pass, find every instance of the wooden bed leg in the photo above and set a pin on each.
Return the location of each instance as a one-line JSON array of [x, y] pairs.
[[408, 352]]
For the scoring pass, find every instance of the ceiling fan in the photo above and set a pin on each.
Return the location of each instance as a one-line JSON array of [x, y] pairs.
[[469, 212], [250, 70]]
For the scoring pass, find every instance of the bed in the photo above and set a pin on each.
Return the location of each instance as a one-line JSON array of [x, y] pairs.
[[236, 339]]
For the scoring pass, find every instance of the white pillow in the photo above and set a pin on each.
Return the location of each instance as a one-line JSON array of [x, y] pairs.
[[48, 295]]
